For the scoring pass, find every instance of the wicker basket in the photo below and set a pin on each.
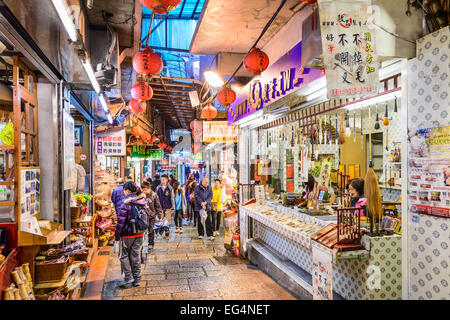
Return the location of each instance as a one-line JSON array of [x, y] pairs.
[[50, 272], [81, 256]]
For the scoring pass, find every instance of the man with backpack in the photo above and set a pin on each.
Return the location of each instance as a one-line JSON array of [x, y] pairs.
[[132, 222]]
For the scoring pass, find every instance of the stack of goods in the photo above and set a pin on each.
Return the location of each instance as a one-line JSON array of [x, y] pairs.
[[81, 232], [77, 250], [22, 287], [231, 224], [106, 222]]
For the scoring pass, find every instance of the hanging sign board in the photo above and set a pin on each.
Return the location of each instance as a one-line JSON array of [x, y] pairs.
[[348, 44], [144, 152], [219, 131], [110, 143], [69, 149], [281, 78]]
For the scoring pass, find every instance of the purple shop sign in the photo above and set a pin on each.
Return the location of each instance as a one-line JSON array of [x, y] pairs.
[[280, 79]]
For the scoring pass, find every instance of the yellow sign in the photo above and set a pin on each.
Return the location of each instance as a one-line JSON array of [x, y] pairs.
[[219, 131]]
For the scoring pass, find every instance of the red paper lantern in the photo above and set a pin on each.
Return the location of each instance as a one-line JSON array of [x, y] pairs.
[[256, 61], [142, 91], [135, 106], [309, 1], [140, 132], [209, 112], [226, 96], [161, 6], [134, 131], [152, 138], [145, 136], [147, 62], [162, 145]]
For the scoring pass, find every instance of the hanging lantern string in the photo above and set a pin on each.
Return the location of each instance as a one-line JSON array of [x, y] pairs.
[[269, 23]]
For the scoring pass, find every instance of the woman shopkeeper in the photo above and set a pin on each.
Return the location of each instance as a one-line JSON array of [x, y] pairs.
[[356, 190]]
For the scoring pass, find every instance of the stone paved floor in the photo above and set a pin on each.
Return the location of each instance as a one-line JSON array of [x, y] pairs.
[[185, 267]]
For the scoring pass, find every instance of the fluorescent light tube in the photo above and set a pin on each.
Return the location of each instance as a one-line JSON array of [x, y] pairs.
[[103, 103], [109, 118], [67, 21], [213, 79], [90, 72]]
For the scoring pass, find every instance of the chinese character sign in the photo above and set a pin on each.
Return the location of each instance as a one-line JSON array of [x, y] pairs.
[[145, 152], [322, 274], [348, 44], [110, 143], [219, 131]]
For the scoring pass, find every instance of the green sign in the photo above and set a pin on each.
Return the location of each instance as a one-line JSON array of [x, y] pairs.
[[146, 153]]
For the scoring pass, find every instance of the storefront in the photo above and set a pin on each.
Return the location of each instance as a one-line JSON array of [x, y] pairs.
[[292, 134]]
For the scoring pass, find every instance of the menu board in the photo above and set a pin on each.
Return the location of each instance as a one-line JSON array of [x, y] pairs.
[[429, 171], [30, 192], [348, 45], [110, 143]]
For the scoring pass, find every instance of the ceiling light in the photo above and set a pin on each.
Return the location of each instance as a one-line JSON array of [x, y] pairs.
[[90, 72], [109, 118], [103, 103], [213, 79], [66, 19]]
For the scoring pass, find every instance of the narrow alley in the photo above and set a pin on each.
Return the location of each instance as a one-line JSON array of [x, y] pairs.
[[187, 268]]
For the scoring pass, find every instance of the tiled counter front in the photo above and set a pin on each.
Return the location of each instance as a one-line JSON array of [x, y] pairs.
[[355, 273]]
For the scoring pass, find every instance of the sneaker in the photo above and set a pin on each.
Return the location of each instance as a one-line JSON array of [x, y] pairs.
[[181, 230], [136, 283], [177, 230], [200, 237], [150, 249], [211, 238], [126, 284]]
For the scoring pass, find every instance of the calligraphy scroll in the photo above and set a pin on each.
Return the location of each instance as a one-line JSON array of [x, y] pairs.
[[348, 44]]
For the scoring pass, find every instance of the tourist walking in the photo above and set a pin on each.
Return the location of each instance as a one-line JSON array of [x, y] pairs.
[[130, 237], [180, 206], [187, 194], [118, 196], [203, 195], [166, 199], [194, 214], [155, 212], [155, 183], [216, 206], [172, 180]]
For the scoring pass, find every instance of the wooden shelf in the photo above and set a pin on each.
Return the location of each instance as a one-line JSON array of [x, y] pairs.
[[60, 236], [7, 203], [5, 147]]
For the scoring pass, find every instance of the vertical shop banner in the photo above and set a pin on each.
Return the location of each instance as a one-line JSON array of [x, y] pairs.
[[197, 136], [348, 44], [304, 164], [69, 149], [322, 273], [110, 143], [219, 131]]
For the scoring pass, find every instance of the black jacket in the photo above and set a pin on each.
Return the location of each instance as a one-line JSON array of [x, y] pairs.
[[202, 194]]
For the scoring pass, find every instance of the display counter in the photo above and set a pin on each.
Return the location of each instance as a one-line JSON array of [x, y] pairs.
[[373, 272]]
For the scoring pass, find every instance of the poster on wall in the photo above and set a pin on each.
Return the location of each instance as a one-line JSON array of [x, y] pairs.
[[322, 273], [219, 131], [111, 143], [348, 46], [30, 192], [429, 171], [69, 149]]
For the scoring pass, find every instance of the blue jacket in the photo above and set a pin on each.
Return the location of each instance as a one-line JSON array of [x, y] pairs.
[[202, 194], [166, 197], [118, 197]]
